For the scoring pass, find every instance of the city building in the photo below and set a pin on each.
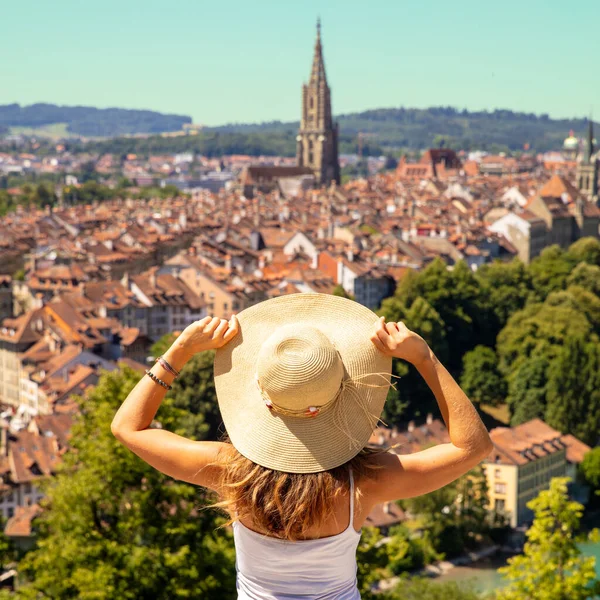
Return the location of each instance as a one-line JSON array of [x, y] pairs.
[[587, 168], [317, 140], [524, 460]]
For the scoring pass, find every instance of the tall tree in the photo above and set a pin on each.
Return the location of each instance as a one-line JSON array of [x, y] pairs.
[[586, 276], [413, 399], [481, 378], [115, 528], [527, 389], [194, 393], [590, 468], [550, 270], [573, 390], [457, 296], [508, 287], [586, 250], [539, 329], [551, 566]]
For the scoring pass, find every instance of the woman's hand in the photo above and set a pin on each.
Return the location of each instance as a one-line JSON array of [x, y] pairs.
[[206, 334], [395, 339]]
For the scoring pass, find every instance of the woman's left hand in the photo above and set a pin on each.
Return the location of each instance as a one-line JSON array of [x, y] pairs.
[[206, 334]]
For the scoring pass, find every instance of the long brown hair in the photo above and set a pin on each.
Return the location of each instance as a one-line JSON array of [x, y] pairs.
[[285, 505]]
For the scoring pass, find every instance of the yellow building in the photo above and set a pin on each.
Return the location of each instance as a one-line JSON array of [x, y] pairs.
[[524, 460]]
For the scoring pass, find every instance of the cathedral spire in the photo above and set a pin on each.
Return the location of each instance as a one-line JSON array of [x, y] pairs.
[[589, 145], [318, 67], [317, 140]]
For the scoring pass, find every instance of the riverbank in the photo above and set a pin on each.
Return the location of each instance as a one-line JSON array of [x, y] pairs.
[[483, 574]]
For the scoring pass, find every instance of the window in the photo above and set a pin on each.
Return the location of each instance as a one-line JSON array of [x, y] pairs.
[[500, 488], [225, 306], [11, 512], [499, 505], [497, 473]]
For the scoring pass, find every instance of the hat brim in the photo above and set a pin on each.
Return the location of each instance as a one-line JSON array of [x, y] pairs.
[[296, 444]]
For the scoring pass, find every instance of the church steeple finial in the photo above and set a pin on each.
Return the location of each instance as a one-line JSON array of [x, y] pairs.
[[318, 67]]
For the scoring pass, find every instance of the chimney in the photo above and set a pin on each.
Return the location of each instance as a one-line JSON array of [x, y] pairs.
[[152, 278], [411, 426], [387, 508], [228, 262], [261, 262], [429, 418], [125, 280], [81, 288], [350, 254]]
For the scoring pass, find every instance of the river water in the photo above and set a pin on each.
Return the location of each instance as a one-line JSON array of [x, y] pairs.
[[485, 578]]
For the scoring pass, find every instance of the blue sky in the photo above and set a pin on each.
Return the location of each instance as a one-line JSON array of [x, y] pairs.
[[243, 61]]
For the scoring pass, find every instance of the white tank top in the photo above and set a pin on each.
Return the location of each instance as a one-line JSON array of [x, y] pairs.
[[269, 568]]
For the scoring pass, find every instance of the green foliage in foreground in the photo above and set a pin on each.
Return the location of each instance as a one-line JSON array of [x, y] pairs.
[[417, 588], [115, 528], [552, 566]]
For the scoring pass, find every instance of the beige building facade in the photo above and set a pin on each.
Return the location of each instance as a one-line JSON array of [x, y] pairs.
[[524, 460]]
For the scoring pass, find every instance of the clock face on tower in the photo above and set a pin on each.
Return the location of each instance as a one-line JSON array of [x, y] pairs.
[[298, 138]]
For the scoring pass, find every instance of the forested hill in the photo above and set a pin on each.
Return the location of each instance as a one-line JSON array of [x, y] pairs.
[[415, 128], [382, 130], [89, 121]]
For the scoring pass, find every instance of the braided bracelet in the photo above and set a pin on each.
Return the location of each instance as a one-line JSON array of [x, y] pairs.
[[167, 367], [157, 380]]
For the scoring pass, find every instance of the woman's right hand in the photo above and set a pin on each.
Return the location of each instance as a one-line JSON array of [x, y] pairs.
[[395, 339]]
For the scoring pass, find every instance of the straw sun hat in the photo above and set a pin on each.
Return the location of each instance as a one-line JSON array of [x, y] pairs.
[[301, 386]]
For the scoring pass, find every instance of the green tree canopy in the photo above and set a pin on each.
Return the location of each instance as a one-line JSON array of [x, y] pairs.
[[413, 396], [418, 588], [459, 300], [481, 378], [573, 390], [527, 390], [114, 527], [585, 250], [507, 286], [590, 468], [586, 276], [550, 270], [551, 566]]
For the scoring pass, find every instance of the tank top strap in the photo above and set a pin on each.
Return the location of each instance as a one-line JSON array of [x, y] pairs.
[[351, 496]]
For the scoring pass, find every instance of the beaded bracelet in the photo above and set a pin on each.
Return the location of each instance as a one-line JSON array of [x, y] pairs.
[[157, 380], [167, 367]]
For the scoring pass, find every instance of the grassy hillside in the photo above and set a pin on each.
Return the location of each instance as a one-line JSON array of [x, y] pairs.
[[54, 131]]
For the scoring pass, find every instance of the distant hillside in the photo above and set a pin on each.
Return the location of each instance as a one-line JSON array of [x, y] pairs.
[[88, 121], [384, 130], [413, 128]]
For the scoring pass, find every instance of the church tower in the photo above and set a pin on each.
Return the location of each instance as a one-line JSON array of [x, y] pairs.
[[587, 168], [317, 141]]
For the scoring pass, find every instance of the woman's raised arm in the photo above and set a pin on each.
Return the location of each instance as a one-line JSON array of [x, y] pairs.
[[172, 454], [405, 476]]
